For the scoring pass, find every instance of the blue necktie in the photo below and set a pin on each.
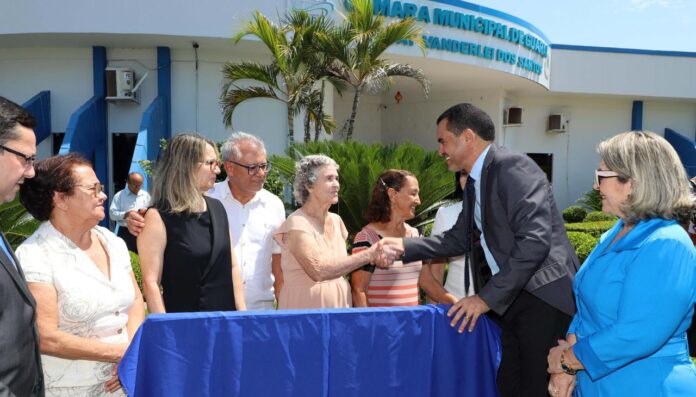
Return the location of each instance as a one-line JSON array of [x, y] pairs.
[[468, 205]]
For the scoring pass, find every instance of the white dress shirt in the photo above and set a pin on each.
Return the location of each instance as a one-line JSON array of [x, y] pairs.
[[445, 218], [252, 226], [125, 201], [475, 173]]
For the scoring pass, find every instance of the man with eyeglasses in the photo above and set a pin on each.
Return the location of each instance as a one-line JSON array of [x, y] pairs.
[[126, 203], [20, 359], [253, 213]]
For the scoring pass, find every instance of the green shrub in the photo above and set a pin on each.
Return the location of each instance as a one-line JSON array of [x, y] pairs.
[[591, 200], [583, 243], [594, 228], [599, 216], [574, 213], [135, 264]]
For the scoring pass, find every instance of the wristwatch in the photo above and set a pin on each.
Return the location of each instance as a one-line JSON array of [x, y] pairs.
[[568, 370]]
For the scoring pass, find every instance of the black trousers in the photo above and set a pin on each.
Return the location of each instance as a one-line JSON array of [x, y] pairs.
[[131, 240], [530, 327]]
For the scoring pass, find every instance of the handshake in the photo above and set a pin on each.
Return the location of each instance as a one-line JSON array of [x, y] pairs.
[[386, 251]]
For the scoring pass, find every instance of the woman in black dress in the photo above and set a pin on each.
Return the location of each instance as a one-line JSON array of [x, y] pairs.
[[185, 247]]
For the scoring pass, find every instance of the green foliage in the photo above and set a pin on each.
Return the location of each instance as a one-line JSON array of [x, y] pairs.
[[591, 200], [148, 165], [583, 243], [593, 228], [16, 223], [360, 165], [574, 213], [135, 264], [599, 216]]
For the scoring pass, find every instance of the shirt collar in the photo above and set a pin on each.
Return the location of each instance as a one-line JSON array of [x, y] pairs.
[[227, 193], [478, 164]]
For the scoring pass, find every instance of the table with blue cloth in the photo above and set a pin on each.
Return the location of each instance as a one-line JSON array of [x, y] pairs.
[[332, 352]]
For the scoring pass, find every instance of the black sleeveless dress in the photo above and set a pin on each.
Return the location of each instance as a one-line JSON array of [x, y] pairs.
[[197, 269]]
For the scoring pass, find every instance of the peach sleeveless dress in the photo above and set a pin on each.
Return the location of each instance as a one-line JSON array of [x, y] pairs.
[[299, 290]]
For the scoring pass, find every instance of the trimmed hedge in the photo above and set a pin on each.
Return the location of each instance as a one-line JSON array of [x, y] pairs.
[[593, 228], [599, 216], [135, 264], [583, 243], [574, 213]]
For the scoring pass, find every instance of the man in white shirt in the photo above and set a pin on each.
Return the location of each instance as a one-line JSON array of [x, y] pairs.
[[254, 214], [125, 203]]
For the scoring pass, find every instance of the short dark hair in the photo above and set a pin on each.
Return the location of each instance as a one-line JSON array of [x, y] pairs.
[[54, 174], [12, 114], [465, 115], [379, 209]]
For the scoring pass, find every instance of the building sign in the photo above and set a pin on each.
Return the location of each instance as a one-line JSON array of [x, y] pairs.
[[456, 31]]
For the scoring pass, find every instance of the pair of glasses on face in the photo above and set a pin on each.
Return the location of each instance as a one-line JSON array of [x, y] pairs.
[[212, 164], [96, 189], [28, 160], [603, 174], [253, 169]]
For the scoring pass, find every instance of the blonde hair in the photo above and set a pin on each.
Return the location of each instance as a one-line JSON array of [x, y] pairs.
[[660, 184], [174, 187]]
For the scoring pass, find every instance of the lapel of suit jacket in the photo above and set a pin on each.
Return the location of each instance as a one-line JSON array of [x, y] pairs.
[[16, 274], [485, 193]]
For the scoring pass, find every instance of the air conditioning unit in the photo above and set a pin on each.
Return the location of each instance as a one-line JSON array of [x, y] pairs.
[[121, 85], [557, 123], [512, 116]]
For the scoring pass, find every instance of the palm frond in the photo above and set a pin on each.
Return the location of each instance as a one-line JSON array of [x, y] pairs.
[[233, 97]]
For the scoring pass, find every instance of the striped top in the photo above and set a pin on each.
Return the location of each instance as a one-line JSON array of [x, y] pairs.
[[395, 286]]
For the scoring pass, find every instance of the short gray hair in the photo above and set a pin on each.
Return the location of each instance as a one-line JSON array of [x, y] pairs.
[[306, 174], [660, 184], [230, 149]]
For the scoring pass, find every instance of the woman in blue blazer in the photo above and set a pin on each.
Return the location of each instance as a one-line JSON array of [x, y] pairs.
[[636, 291]]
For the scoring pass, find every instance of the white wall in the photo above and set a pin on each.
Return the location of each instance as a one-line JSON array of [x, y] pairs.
[[368, 123], [679, 116], [66, 72]]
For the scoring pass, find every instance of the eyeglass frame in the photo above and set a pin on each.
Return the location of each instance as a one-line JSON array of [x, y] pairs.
[[212, 164], [254, 169], [603, 174], [28, 160], [97, 187]]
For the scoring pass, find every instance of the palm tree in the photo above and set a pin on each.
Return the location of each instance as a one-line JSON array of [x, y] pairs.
[[288, 78], [357, 46]]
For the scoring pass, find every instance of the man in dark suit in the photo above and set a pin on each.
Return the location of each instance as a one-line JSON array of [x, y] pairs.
[[531, 262], [20, 360]]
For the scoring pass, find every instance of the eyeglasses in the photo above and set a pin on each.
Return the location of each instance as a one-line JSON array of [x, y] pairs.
[[253, 169], [28, 160], [96, 189], [602, 174], [212, 164]]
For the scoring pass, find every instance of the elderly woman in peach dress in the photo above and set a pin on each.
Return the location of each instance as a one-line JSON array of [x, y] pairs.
[[314, 257]]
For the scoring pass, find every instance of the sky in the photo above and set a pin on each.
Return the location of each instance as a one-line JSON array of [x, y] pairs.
[[667, 25]]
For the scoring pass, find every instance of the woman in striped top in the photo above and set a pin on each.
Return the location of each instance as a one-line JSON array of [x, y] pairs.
[[394, 201]]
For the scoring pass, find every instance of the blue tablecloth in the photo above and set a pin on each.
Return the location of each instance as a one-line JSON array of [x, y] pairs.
[[339, 352]]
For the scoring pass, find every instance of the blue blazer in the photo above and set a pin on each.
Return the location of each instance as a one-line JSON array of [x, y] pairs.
[[635, 301]]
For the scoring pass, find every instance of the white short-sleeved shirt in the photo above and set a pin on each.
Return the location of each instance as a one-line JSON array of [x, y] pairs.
[[252, 226], [125, 201], [445, 218], [89, 304]]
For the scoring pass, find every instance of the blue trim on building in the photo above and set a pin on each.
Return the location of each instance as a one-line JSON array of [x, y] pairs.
[[686, 149], [495, 13], [164, 85], [615, 50], [87, 129], [40, 107], [637, 116]]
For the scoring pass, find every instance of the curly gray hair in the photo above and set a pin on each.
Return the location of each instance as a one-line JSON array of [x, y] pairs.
[[306, 174]]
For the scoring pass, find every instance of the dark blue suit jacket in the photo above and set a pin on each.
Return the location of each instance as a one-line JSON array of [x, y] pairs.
[[20, 360], [524, 232]]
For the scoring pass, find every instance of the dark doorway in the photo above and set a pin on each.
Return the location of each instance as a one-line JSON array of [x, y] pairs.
[[123, 145], [57, 141], [545, 162]]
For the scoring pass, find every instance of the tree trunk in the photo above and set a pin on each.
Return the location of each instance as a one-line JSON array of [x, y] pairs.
[[291, 125], [320, 114], [353, 113], [307, 132]]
